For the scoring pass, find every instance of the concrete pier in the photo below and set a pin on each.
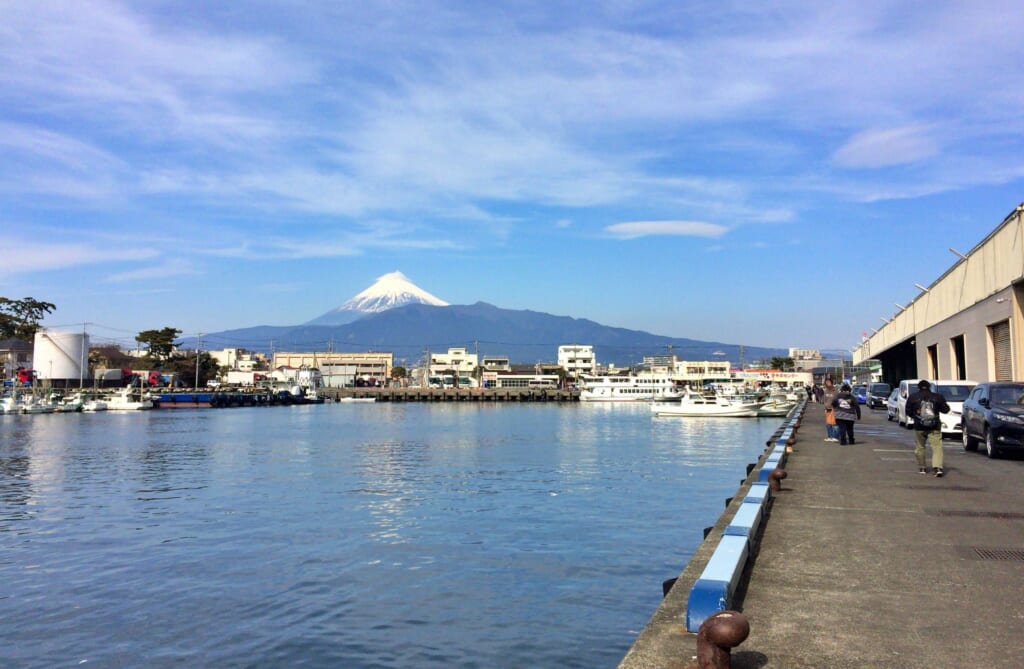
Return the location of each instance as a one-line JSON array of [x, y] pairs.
[[863, 562], [454, 394]]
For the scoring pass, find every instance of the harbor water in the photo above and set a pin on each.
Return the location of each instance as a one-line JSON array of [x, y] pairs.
[[352, 535]]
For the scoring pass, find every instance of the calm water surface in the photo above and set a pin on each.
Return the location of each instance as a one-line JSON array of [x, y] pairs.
[[351, 535]]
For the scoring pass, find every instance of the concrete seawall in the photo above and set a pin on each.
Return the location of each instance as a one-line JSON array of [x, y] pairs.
[[714, 576]]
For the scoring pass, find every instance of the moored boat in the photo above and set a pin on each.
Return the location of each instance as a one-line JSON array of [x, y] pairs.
[[629, 388], [128, 399], [696, 404]]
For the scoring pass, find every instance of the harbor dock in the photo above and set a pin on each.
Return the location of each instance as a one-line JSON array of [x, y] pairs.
[[454, 394], [863, 562]]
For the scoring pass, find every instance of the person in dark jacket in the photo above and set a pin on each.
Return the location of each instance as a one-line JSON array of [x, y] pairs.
[[846, 409], [924, 407]]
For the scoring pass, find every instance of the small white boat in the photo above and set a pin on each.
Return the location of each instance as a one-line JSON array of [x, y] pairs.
[[776, 408], [9, 404], [94, 404], [127, 400], [696, 404], [349, 400], [36, 405]]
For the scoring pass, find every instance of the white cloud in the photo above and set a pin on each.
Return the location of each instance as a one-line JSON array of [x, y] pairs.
[[29, 256], [634, 229], [885, 147], [168, 268]]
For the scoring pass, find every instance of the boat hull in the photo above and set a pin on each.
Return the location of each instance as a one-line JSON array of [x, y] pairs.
[[718, 412]]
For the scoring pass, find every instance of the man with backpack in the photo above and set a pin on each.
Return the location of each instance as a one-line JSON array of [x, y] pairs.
[[924, 407]]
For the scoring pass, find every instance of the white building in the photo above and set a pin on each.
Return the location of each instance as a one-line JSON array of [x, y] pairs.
[[576, 359], [458, 359]]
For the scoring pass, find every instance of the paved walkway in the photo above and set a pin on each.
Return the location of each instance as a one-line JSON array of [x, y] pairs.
[[866, 563]]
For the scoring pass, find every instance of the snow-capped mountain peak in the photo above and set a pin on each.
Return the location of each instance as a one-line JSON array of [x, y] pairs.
[[387, 292], [390, 291]]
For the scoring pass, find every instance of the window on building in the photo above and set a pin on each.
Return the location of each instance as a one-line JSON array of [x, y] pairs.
[[933, 361], [959, 353]]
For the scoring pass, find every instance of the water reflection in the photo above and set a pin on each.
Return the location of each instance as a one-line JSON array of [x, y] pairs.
[[358, 536]]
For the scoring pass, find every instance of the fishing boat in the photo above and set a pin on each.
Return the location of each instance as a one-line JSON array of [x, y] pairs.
[[777, 404], [128, 399], [696, 404], [92, 403]]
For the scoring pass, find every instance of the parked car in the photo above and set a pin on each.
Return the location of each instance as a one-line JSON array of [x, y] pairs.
[[906, 388], [994, 414], [955, 393], [860, 393], [892, 409], [877, 395]]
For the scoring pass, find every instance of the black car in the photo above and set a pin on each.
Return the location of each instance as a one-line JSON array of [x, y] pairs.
[[877, 395], [994, 413]]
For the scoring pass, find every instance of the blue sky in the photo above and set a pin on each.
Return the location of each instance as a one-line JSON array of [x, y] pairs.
[[774, 174]]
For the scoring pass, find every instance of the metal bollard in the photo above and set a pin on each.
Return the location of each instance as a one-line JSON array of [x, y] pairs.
[[775, 478], [717, 636]]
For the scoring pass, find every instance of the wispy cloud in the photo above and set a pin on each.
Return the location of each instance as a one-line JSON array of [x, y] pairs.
[[26, 256], [168, 268], [634, 229], [884, 147]]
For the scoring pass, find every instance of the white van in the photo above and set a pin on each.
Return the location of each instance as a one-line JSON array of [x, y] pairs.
[[955, 392]]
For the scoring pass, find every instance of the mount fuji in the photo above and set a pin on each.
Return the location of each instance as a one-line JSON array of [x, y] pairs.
[[394, 315], [387, 292]]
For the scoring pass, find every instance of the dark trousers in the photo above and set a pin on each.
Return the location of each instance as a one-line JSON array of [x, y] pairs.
[[845, 431]]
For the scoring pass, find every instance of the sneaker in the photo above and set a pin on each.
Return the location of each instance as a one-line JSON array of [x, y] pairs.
[[852, 442], [938, 472], [922, 470]]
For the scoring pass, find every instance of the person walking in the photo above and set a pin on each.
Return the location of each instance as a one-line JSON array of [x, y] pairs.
[[924, 407], [828, 393], [846, 409]]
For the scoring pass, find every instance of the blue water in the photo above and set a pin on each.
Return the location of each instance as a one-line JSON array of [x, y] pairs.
[[351, 535]]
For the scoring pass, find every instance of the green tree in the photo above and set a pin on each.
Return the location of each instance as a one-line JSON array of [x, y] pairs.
[[160, 342], [185, 368], [782, 364], [19, 319], [398, 373]]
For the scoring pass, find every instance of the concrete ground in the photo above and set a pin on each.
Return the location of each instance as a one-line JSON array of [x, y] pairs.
[[863, 562]]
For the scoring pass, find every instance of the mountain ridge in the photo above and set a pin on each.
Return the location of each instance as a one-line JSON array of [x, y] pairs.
[[524, 336]]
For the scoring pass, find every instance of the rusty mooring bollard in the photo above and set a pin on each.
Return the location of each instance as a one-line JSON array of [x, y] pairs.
[[775, 478], [717, 636]]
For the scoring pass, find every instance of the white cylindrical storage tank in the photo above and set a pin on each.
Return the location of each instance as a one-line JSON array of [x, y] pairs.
[[61, 355]]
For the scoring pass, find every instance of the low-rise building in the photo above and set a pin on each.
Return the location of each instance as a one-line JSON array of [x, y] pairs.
[[339, 370], [577, 359]]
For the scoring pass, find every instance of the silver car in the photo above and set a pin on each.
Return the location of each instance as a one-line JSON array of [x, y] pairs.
[[892, 410]]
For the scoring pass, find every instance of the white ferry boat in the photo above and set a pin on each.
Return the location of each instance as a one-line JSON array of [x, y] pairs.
[[638, 388]]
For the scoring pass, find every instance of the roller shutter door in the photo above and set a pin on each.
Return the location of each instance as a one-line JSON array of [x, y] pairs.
[[1001, 351]]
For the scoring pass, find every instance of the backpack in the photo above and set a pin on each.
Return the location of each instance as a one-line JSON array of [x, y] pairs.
[[927, 416]]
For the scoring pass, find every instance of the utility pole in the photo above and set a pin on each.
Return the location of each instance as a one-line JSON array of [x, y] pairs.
[[199, 347]]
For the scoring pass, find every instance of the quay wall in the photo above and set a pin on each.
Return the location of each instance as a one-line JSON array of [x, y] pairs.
[[453, 394], [666, 640]]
